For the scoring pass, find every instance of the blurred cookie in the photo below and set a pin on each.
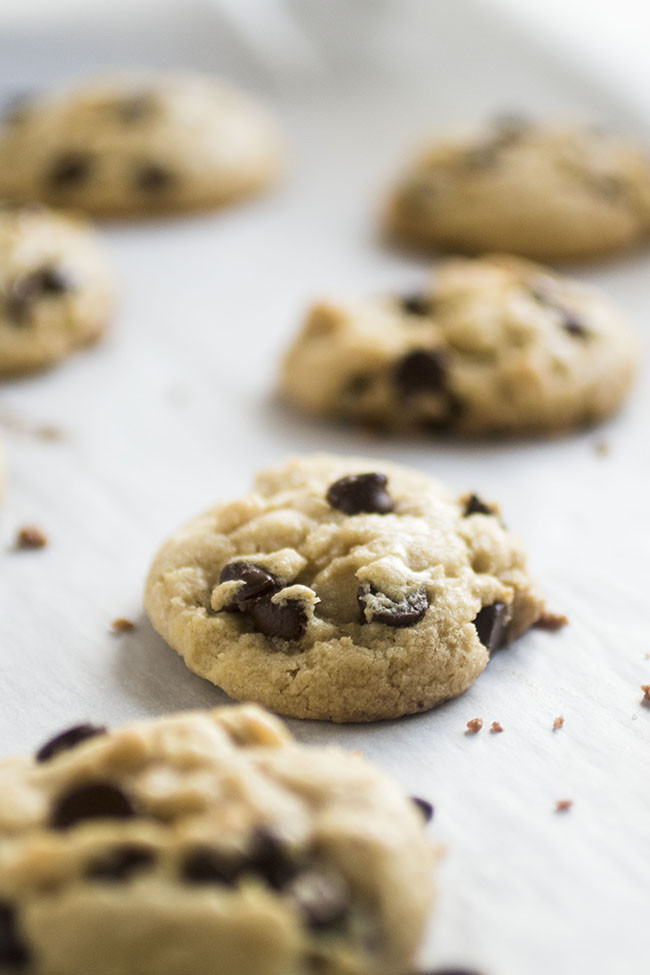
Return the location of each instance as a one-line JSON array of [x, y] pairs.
[[137, 145], [343, 589], [546, 191], [495, 345], [56, 290], [207, 842]]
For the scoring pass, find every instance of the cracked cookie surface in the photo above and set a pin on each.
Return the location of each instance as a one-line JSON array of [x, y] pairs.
[[56, 289], [552, 191], [345, 589], [138, 144], [494, 345], [207, 842]]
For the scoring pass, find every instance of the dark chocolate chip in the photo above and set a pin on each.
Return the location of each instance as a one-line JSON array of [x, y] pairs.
[[72, 169], [406, 612], [270, 857], [93, 800], [356, 493], [323, 899], [135, 108], [207, 865], [421, 371], [490, 626], [474, 506], [12, 951], [120, 863], [256, 581], [153, 178], [68, 739], [417, 304], [286, 620], [573, 326], [425, 807], [28, 288]]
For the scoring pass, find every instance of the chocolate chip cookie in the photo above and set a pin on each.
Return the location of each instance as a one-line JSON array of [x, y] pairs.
[[138, 144], [492, 346], [56, 289], [550, 191], [344, 589], [207, 842]]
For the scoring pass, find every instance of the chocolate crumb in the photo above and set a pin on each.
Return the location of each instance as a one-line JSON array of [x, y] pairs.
[[496, 728], [558, 723], [122, 625], [563, 805], [474, 726], [646, 694], [30, 537], [551, 622]]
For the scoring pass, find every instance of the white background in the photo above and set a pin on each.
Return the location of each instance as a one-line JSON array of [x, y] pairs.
[[175, 410]]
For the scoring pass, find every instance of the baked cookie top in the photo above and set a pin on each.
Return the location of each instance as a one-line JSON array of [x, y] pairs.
[[494, 345], [56, 289], [550, 191], [138, 144], [153, 849], [345, 589]]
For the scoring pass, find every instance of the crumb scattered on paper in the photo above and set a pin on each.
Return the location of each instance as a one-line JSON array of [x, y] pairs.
[[558, 723], [563, 805], [646, 694], [122, 625], [496, 728], [474, 726], [30, 537]]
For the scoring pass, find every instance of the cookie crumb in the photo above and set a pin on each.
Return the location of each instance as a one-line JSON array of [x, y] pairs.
[[646, 694], [563, 805], [602, 448], [558, 723], [122, 625], [496, 728], [30, 537], [551, 622], [474, 726]]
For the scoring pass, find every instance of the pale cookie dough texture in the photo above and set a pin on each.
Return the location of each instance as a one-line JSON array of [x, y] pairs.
[[56, 287], [557, 191], [138, 144], [492, 346], [345, 589], [204, 844]]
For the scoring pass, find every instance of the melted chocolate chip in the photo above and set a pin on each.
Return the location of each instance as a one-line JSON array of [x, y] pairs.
[[490, 626], [70, 170], [256, 581], [286, 620], [425, 807], [153, 178], [323, 899], [474, 506], [120, 863], [94, 800], [270, 857], [416, 304], [28, 288], [356, 493], [421, 371], [68, 739], [406, 612], [207, 865], [12, 951]]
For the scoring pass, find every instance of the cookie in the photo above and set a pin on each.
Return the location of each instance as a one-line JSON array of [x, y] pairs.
[[138, 144], [492, 346], [56, 288], [207, 842], [546, 191], [343, 589]]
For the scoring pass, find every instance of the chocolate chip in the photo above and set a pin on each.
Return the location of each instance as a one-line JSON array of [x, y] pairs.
[[153, 178], [207, 865], [286, 620], [24, 290], [93, 800], [407, 612], [70, 170], [421, 371], [356, 493], [474, 506], [573, 326], [68, 739], [12, 951], [323, 899], [490, 626], [569, 320], [270, 857], [425, 807], [417, 304], [135, 108], [120, 863], [256, 581]]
